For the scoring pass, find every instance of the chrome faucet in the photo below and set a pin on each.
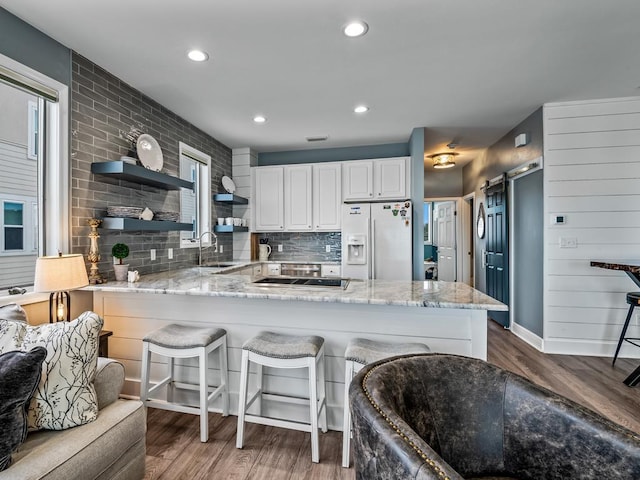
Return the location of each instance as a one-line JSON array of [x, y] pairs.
[[215, 244]]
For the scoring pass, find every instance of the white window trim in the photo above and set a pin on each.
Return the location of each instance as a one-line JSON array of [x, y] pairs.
[[55, 232], [204, 196]]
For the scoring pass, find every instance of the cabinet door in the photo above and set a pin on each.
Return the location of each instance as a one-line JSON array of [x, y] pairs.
[[297, 198], [327, 196], [358, 180], [390, 179], [269, 199]]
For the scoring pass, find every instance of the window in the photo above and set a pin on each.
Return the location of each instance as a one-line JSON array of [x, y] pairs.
[[34, 206], [195, 205], [428, 207]]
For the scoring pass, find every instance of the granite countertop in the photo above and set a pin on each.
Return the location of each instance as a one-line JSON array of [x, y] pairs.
[[209, 282]]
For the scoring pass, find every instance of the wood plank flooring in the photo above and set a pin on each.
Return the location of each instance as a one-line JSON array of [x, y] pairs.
[[174, 450]]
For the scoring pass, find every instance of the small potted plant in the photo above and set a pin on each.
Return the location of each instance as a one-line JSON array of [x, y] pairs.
[[120, 251]]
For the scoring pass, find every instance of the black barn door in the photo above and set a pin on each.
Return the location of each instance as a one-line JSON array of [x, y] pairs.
[[497, 248]]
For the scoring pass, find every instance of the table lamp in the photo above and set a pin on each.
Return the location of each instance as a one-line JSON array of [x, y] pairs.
[[59, 274]]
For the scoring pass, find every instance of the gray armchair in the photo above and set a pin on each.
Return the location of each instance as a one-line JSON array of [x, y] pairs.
[[435, 416]]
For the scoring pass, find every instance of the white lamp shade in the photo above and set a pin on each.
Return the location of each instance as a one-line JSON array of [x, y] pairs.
[[60, 273]]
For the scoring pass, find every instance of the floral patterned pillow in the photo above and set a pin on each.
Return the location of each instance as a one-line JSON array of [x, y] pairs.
[[65, 396]]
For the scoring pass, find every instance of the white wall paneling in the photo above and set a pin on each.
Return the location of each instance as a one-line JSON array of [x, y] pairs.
[[592, 175], [242, 159], [131, 315]]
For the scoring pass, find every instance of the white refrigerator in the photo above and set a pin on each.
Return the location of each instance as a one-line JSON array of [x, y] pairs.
[[377, 241]]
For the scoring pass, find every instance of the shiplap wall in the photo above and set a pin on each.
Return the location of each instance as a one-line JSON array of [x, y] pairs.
[[592, 175]]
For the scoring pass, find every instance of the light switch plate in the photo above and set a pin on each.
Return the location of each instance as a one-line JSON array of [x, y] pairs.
[[568, 242], [280, 247], [327, 248], [153, 254], [170, 253]]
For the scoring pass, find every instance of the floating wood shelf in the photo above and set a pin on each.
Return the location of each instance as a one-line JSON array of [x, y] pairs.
[[230, 198], [137, 174], [117, 223], [229, 229]]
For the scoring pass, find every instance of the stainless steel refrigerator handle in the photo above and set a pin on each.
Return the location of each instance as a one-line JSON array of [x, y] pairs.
[[373, 249]]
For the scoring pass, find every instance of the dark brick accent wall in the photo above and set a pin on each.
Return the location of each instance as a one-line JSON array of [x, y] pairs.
[[103, 110]]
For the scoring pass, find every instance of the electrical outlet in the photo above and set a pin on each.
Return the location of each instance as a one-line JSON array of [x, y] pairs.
[[568, 242], [221, 249], [170, 253], [280, 247], [327, 248], [153, 254]]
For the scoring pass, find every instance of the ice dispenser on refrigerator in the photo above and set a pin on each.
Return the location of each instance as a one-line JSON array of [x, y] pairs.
[[356, 249]]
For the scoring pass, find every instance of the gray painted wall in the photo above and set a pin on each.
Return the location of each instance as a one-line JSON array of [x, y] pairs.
[[416, 147], [29, 46], [333, 154], [497, 159], [529, 248], [443, 183]]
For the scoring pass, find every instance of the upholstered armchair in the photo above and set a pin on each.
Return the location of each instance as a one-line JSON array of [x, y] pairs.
[[434, 416]]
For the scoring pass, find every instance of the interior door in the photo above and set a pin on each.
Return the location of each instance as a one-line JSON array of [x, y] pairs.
[[497, 248], [446, 240]]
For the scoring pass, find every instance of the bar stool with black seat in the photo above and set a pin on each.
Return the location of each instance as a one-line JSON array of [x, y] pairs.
[[182, 341], [275, 350], [633, 299], [359, 353]]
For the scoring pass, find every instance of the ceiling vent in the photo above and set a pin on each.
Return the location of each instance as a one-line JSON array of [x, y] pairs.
[[318, 138]]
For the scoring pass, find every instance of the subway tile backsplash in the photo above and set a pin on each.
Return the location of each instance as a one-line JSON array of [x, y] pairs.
[[304, 246]]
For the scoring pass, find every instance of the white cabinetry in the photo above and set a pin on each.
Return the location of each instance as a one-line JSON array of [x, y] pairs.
[[297, 198], [371, 180], [358, 180], [268, 199], [327, 196]]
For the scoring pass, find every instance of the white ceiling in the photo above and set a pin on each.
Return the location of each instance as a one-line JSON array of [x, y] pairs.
[[469, 70]]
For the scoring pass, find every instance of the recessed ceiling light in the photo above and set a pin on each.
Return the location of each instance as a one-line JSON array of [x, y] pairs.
[[259, 119], [361, 109], [198, 55], [355, 29]]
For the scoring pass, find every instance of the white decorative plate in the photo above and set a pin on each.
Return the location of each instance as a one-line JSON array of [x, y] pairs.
[[149, 152], [228, 184]]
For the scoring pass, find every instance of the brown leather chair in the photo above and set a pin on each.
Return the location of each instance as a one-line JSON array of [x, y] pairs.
[[434, 416]]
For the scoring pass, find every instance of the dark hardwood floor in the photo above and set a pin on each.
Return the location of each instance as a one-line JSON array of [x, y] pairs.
[[174, 450]]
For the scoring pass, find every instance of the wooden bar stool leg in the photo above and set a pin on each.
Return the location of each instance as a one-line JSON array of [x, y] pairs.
[[346, 420], [224, 378], [313, 411], [242, 402], [322, 393], [146, 366], [624, 332], [204, 401]]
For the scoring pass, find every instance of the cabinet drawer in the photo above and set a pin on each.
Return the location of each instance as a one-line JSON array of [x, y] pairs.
[[330, 271]]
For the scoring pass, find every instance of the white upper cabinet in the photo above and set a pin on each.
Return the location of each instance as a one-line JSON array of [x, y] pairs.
[[268, 198], [297, 198], [389, 179], [372, 180], [327, 196], [357, 180]]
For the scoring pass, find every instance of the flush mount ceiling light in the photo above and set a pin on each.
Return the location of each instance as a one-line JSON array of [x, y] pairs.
[[198, 55], [355, 29], [443, 160], [259, 119], [361, 109]]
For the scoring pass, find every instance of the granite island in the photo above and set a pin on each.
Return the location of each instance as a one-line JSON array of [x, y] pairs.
[[449, 317]]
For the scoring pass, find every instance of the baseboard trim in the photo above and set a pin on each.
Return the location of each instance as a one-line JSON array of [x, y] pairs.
[[528, 336], [588, 348]]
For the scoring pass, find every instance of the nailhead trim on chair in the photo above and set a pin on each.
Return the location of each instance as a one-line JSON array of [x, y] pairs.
[[423, 455]]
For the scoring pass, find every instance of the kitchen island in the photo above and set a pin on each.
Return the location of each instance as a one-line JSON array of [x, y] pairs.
[[449, 317]]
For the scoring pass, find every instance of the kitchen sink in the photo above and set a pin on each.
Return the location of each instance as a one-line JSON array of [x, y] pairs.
[[303, 282]]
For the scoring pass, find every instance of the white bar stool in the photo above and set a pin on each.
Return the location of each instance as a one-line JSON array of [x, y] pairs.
[[361, 352], [284, 351], [181, 341]]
